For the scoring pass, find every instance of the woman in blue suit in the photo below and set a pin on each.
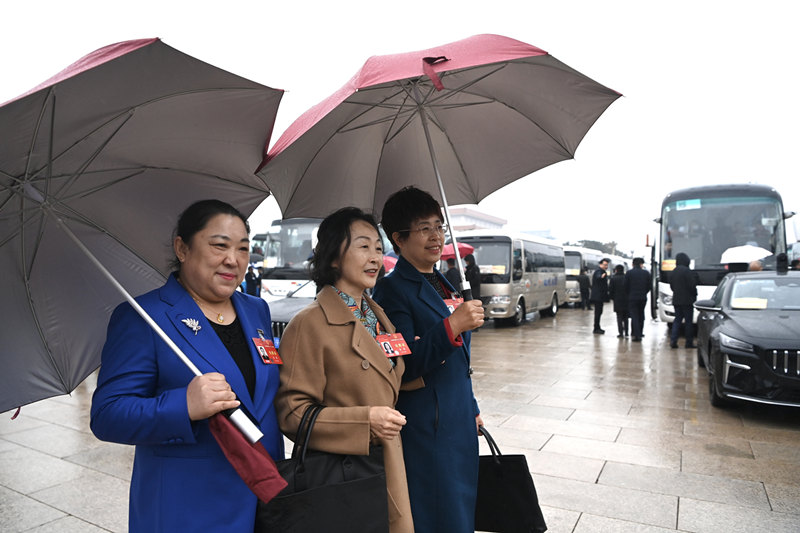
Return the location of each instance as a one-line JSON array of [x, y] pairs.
[[440, 440], [145, 395]]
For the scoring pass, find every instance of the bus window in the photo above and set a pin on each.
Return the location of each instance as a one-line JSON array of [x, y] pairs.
[[530, 264], [517, 261]]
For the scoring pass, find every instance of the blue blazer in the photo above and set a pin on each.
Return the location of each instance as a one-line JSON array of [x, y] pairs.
[[181, 480], [440, 441]]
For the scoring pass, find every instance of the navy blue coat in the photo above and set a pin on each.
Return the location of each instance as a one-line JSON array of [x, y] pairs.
[[181, 479], [637, 284], [440, 441]]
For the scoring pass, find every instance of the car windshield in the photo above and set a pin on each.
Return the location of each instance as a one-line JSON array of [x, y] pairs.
[[776, 293]]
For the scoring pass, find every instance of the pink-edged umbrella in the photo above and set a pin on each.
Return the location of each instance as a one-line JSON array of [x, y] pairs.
[[463, 249], [465, 118], [389, 262]]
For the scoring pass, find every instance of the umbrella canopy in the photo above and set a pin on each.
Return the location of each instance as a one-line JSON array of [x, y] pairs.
[[463, 249], [114, 148], [497, 109]]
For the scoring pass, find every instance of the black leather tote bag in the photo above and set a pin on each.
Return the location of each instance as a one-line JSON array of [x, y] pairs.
[[327, 491], [507, 500]]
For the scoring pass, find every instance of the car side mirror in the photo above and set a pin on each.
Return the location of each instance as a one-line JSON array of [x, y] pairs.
[[706, 305]]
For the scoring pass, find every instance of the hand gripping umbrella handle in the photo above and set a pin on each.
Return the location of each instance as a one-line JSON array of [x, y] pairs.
[[251, 432]]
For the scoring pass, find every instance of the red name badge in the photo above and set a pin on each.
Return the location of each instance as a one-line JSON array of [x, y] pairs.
[[453, 303], [393, 344], [267, 351]]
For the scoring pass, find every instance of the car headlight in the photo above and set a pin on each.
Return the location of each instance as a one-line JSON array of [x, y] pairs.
[[666, 299], [500, 300], [729, 342]]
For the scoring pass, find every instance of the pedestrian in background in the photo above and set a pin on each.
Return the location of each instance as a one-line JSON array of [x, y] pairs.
[[473, 275], [585, 287], [452, 274], [616, 291], [599, 294], [683, 282], [251, 281], [637, 285]]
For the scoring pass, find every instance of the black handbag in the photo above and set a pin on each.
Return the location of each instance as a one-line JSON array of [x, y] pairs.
[[327, 491], [507, 500]]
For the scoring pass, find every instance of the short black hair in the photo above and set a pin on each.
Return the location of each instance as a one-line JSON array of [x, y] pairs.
[[332, 233], [605, 260], [404, 207], [195, 218], [638, 261], [619, 269]]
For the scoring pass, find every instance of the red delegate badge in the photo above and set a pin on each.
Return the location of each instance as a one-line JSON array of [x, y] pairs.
[[266, 349], [393, 344], [453, 303]]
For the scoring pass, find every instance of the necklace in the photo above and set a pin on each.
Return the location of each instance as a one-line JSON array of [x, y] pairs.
[[220, 316]]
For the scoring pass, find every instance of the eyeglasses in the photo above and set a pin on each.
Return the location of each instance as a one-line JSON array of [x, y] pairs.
[[427, 230]]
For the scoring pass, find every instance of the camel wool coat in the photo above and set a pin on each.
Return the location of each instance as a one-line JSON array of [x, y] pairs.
[[329, 357]]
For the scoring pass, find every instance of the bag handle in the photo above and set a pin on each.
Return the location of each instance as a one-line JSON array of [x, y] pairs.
[[492, 444], [304, 431]]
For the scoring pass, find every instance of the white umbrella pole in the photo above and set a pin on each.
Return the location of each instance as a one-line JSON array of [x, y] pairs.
[[251, 432], [466, 291]]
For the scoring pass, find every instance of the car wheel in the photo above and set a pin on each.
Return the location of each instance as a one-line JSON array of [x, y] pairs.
[[700, 362], [714, 396]]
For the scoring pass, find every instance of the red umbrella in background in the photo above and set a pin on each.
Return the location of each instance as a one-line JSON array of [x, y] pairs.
[[463, 249], [464, 119], [389, 262]]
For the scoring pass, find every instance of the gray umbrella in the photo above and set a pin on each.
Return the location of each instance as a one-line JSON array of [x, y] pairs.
[[463, 119], [110, 151]]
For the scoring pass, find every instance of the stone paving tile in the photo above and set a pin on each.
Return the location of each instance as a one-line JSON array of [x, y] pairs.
[[561, 465], [508, 436], [784, 498], [708, 429], [657, 424], [58, 441], [686, 485], [109, 458], [21, 423], [94, 497], [567, 428], [589, 523], [26, 471], [623, 453], [68, 524], [20, 513], [559, 520], [662, 439], [712, 517], [606, 407], [612, 502], [781, 452], [544, 411], [779, 472]]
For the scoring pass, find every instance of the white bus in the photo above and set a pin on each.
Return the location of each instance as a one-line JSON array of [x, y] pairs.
[[578, 259], [520, 274], [704, 223], [286, 251]]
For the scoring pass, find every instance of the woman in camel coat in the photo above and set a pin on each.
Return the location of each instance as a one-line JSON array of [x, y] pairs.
[[331, 356]]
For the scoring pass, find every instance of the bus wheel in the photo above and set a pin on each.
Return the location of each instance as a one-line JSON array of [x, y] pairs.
[[519, 315], [553, 309]]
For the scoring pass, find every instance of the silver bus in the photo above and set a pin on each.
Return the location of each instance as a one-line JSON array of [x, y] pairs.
[[579, 259], [520, 274]]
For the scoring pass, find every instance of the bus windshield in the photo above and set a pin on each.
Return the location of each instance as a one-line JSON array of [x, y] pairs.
[[287, 248], [493, 259], [704, 228], [572, 263]]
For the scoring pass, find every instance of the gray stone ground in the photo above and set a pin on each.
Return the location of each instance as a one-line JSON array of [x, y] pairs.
[[620, 437]]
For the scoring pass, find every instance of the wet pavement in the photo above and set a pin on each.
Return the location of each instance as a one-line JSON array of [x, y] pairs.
[[620, 437]]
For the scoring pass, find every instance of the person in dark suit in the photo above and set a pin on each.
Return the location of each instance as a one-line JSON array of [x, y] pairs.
[[440, 440], [585, 287], [637, 285], [683, 282], [599, 293], [616, 291], [473, 275], [252, 281], [452, 274], [147, 397]]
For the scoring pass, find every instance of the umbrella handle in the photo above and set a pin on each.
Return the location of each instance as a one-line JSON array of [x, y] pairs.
[[248, 428]]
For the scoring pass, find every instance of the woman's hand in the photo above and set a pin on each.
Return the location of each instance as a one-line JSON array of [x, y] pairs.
[[385, 422], [468, 316], [209, 394], [478, 423]]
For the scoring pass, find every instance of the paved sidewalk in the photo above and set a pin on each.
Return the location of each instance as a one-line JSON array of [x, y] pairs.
[[620, 437]]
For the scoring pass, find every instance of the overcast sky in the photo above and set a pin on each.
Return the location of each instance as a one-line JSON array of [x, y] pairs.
[[710, 87]]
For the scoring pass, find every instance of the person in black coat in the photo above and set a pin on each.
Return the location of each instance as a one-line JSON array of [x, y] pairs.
[[453, 275], [637, 285], [473, 275], [616, 291], [683, 282], [599, 293], [585, 288]]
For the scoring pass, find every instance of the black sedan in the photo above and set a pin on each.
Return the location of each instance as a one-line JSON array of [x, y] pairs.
[[281, 311], [748, 337]]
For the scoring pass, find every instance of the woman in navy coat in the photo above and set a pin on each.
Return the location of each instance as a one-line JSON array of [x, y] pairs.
[[440, 440], [147, 397]]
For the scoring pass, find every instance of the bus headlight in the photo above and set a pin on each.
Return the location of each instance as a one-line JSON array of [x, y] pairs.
[[666, 299], [500, 300]]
